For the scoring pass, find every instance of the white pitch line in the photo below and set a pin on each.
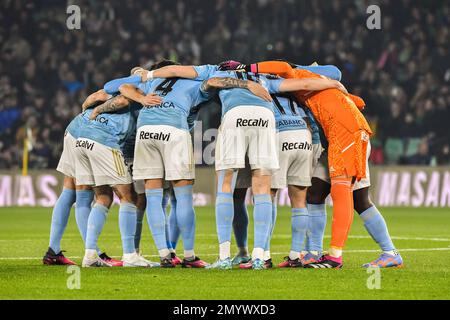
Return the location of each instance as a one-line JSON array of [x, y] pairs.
[[274, 253]]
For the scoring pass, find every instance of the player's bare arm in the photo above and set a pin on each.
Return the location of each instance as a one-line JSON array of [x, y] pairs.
[[110, 106], [311, 84], [131, 92], [98, 96], [218, 83], [174, 71]]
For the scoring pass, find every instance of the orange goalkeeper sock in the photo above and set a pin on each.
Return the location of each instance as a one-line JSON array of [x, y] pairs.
[[342, 195]]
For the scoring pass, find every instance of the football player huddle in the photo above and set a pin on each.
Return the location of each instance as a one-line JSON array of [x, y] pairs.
[[282, 125]]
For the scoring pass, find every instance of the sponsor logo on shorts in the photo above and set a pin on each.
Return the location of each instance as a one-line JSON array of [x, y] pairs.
[[287, 146], [154, 136], [85, 144], [252, 123]]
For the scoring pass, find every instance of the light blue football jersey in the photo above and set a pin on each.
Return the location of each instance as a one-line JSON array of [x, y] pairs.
[[130, 141], [236, 97], [75, 126], [110, 129], [288, 114], [179, 97]]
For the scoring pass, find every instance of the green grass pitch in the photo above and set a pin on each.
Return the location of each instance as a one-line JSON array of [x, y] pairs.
[[422, 235]]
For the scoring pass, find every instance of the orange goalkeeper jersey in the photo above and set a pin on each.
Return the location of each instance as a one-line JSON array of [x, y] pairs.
[[345, 127], [326, 105]]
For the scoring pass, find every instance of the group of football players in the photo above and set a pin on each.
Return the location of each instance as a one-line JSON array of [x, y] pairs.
[[283, 125]]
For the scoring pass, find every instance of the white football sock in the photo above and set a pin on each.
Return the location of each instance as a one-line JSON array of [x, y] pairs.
[[224, 250], [188, 254], [164, 253], [294, 255], [267, 255], [335, 253], [258, 253], [91, 254]]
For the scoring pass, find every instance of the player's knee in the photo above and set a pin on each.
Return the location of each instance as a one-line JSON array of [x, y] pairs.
[[273, 193], [297, 195], [141, 201], [126, 193], [361, 200], [239, 194], [261, 182], [315, 198], [104, 196], [225, 180], [318, 191]]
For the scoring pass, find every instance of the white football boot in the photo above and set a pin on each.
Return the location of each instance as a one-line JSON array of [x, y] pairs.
[[136, 260], [91, 259]]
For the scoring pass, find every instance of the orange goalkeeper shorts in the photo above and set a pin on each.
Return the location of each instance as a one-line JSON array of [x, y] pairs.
[[347, 152]]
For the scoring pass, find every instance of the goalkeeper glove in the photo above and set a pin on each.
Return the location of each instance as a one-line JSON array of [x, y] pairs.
[[236, 65]]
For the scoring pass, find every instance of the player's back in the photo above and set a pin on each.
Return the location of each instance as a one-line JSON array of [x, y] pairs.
[[109, 129], [179, 97], [288, 114], [75, 125], [236, 97]]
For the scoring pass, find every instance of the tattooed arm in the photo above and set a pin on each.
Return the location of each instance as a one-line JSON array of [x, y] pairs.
[[216, 83], [110, 106], [95, 97]]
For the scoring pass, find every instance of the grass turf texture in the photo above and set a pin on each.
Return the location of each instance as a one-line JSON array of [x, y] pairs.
[[425, 232]]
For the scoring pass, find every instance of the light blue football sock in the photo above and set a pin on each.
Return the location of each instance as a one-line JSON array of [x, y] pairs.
[[299, 226], [186, 215], [165, 201], [224, 207], [272, 225], [224, 215], [377, 228], [139, 219], [156, 218], [82, 211], [240, 223], [96, 221], [60, 217], [262, 219], [174, 231], [127, 226], [317, 224], [83, 207]]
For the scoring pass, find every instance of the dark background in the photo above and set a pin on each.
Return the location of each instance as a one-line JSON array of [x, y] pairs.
[[402, 70]]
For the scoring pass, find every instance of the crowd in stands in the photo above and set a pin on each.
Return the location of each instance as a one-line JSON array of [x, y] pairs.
[[402, 70]]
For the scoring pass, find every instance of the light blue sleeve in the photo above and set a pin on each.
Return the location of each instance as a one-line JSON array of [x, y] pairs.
[[329, 71], [112, 87], [214, 74], [273, 86], [205, 72]]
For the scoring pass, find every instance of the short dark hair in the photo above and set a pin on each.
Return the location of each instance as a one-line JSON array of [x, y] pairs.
[[162, 63]]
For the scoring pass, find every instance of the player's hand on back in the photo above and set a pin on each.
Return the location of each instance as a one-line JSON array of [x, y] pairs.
[[259, 90], [94, 113], [340, 87], [152, 99]]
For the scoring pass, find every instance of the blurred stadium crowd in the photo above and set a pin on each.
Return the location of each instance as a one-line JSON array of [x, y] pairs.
[[402, 70]]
